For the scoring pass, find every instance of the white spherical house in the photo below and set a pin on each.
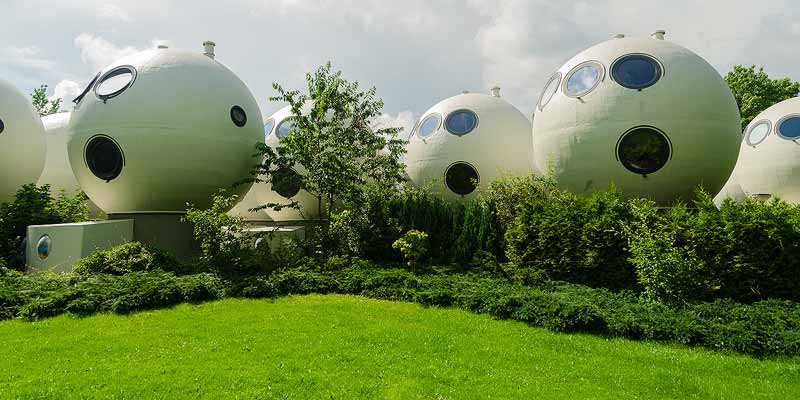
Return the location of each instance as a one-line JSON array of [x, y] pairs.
[[285, 188], [22, 142], [645, 114], [57, 172], [769, 159], [466, 141], [162, 128]]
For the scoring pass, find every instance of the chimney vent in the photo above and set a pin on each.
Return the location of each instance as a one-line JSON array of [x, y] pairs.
[[496, 91], [208, 49], [618, 35], [464, 91], [163, 46], [659, 34]]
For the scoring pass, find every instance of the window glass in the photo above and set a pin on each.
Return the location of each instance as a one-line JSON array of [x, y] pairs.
[[268, 127], [790, 128], [636, 71], [104, 158], [286, 182], [285, 127], [461, 122], [583, 79], [758, 133], [2, 126], [238, 116], [461, 178], [549, 90], [115, 82], [643, 150], [429, 125], [43, 246]]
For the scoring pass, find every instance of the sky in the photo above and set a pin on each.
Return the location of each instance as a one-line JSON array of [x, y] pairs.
[[415, 52]]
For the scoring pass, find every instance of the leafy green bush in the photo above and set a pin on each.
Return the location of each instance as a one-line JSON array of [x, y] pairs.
[[413, 245], [126, 258]]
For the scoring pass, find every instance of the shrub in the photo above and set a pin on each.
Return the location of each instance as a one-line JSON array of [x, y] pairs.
[[413, 245], [126, 258]]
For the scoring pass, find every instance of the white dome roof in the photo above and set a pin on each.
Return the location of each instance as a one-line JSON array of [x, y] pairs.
[[184, 126], [22, 142], [627, 94], [769, 160], [487, 137]]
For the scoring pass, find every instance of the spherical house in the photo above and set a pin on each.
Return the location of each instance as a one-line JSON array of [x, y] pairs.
[[466, 141], [249, 202], [646, 115], [285, 187], [57, 172], [769, 159], [162, 128], [22, 143]]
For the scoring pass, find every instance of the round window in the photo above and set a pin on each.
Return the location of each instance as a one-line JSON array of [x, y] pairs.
[[789, 127], [429, 125], [643, 150], [758, 133], [583, 79], [43, 247], [461, 178], [86, 89], [461, 122], [238, 116], [114, 82], [636, 71], [104, 158], [2, 126], [286, 182], [285, 127], [550, 89], [268, 127]]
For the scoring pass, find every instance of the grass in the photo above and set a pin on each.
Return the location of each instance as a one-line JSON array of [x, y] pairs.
[[342, 347]]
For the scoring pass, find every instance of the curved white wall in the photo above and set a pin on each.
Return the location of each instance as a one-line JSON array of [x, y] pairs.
[[22, 141]]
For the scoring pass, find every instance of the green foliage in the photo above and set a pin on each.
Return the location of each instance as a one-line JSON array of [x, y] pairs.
[[41, 104], [412, 245], [33, 205], [755, 91], [126, 258]]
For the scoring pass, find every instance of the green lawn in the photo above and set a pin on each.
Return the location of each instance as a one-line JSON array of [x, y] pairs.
[[344, 347]]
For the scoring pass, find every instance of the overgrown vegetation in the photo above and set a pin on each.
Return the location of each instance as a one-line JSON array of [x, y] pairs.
[[755, 91]]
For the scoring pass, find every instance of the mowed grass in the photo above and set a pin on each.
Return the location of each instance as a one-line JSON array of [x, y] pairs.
[[345, 347]]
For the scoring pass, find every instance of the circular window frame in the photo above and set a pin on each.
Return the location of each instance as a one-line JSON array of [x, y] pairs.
[[780, 123], [478, 174], [49, 246], [237, 108], [659, 131], [422, 122], [2, 126], [278, 127], [460, 110], [269, 121], [285, 170], [110, 74], [661, 72], [753, 126], [557, 75], [86, 159], [600, 78]]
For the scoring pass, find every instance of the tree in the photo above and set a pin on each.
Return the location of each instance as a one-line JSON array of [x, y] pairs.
[[42, 105], [755, 91], [334, 143]]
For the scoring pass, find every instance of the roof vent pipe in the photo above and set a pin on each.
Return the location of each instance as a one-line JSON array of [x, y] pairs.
[[659, 34], [163, 46], [464, 91], [208, 49], [496, 91], [618, 35]]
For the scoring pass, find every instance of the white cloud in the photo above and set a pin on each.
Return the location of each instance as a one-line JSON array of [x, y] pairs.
[[99, 52], [66, 90], [28, 57], [404, 119], [113, 13]]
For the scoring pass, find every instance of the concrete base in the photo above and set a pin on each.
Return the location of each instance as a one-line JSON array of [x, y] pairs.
[[274, 236], [163, 230], [57, 247]]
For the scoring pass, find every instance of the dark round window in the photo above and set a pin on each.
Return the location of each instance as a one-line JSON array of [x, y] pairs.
[[758, 133], [550, 89], [286, 182], [461, 122], [285, 127], [429, 125], [43, 247], [268, 127], [104, 158], [114, 82], [2, 126], [643, 150], [461, 178], [789, 128], [238, 116], [636, 71]]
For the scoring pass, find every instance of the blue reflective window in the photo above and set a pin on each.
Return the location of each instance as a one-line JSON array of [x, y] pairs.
[[758, 133], [461, 122], [429, 125], [636, 71], [789, 128], [285, 127], [583, 79], [43, 247], [268, 127], [550, 89]]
